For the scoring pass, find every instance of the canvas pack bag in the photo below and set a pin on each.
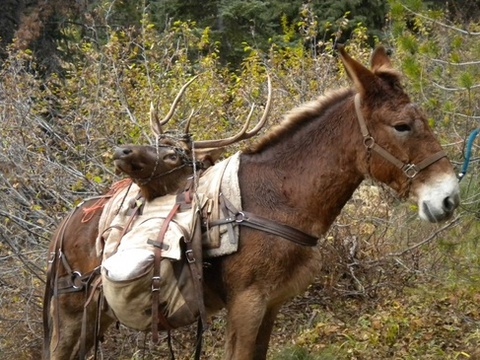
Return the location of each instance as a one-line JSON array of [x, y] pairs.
[[152, 260]]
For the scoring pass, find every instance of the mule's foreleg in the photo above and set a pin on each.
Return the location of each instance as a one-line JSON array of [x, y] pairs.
[[245, 314], [265, 332]]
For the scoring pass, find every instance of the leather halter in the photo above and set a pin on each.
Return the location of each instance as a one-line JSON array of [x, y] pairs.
[[410, 170], [186, 161]]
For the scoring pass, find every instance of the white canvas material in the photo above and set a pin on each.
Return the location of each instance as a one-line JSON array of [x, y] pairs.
[[221, 178], [128, 258]]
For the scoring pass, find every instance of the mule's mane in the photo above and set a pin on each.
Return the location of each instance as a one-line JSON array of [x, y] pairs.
[[297, 117]]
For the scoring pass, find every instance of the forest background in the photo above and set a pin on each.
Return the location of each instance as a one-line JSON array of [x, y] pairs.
[[78, 77]]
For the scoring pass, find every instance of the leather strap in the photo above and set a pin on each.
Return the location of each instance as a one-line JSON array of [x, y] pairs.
[[410, 170], [51, 288], [75, 282], [156, 315], [133, 212], [248, 219], [186, 199], [192, 262], [83, 331], [197, 283]]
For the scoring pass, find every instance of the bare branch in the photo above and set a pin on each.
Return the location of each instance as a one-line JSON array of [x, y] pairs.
[[421, 243], [466, 32], [454, 89], [454, 63]]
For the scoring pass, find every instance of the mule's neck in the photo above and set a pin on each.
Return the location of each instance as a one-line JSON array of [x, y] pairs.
[[306, 173]]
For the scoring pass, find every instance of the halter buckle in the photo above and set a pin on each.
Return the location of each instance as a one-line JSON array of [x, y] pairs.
[[410, 170], [368, 141]]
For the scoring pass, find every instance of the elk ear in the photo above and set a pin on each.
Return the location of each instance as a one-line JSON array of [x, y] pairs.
[[209, 156], [362, 77]]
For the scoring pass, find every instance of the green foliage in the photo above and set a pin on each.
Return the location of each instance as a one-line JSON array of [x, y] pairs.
[[441, 63], [299, 353], [59, 128]]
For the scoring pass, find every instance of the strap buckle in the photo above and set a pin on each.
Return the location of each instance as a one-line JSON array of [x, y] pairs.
[[155, 283], [77, 283], [410, 170], [52, 257], [240, 217], [189, 256]]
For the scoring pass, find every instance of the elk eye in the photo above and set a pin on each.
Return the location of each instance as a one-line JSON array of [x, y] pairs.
[[402, 127], [171, 157]]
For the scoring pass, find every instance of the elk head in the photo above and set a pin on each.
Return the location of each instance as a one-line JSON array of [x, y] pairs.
[[157, 170], [166, 167]]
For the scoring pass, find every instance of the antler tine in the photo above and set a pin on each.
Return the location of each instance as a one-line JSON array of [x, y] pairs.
[[189, 120], [175, 102], [243, 133], [264, 118], [154, 123]]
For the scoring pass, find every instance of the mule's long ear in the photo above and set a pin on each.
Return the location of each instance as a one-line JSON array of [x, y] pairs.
[[382, 67], [362, 77], [380, 60]]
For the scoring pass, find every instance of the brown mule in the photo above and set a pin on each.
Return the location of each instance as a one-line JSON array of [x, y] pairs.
[[301, 174]]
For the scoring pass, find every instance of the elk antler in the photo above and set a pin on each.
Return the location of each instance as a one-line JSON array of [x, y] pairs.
[[243, 134], [155, 123], [189, 120]]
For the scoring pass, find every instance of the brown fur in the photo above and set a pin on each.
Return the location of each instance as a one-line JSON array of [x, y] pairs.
[[296, 119], [165, 168], [301, 174]]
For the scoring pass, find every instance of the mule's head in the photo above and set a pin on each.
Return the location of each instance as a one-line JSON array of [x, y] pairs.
[[400, 149]]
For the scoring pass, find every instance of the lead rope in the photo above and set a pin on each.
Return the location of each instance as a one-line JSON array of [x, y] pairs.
[[468, 153]]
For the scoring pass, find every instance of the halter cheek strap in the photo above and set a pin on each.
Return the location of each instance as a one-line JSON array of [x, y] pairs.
[[410, 170], [186, 161]]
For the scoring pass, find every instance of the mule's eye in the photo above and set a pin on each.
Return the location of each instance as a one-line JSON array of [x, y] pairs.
[[402, 127]]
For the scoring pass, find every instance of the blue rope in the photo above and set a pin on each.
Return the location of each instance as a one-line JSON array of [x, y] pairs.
[[468, 153]]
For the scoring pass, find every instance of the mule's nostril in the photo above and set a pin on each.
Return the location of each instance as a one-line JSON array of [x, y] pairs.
[[450, 203]]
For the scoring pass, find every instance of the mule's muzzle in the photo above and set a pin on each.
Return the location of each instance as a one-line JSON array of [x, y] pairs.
[[439, 214]]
